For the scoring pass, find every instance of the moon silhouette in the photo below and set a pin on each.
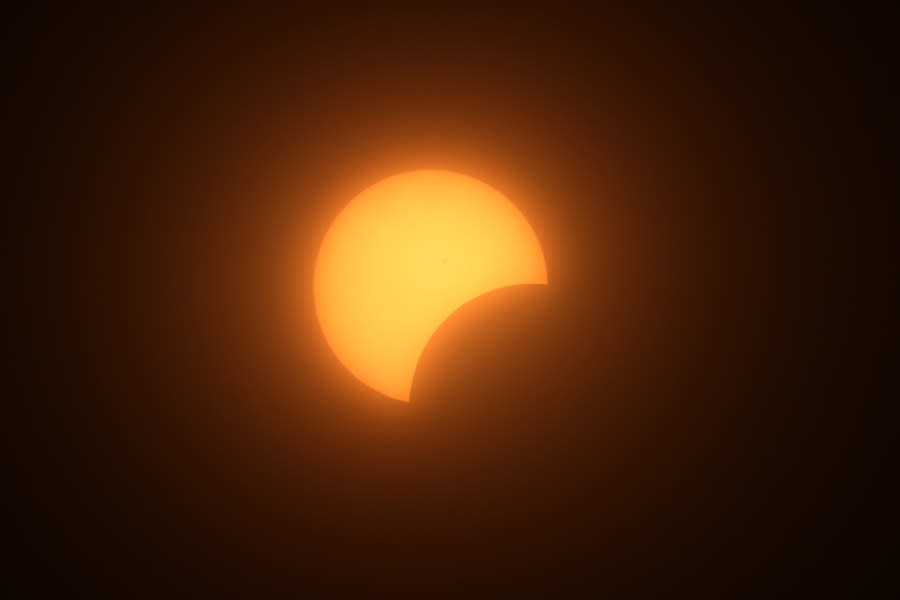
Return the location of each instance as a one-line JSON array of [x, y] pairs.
[[406, 253]]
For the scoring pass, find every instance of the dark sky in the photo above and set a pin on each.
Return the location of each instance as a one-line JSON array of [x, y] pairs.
[[669, 412]]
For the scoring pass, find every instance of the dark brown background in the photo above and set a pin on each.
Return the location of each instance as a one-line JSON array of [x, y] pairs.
[[668, 412]]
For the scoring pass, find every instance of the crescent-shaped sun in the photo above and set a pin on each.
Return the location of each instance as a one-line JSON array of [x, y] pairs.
[[406, 253]]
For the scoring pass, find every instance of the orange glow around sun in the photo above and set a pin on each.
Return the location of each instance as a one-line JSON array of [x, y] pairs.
[[406, 253]]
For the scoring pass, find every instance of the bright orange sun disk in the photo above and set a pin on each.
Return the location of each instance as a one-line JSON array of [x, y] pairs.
[[406, 253]]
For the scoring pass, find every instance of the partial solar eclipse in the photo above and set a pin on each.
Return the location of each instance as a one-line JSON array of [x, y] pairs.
[[405, 254]]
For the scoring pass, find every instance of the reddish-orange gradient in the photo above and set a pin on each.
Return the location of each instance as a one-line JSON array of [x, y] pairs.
[[406, 253]]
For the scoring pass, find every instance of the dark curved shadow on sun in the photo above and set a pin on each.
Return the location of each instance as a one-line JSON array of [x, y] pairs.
[[526, 420], [497, 404], [488, 347]]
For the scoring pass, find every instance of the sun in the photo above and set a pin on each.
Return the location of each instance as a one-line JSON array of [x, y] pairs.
[[406, 253]]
